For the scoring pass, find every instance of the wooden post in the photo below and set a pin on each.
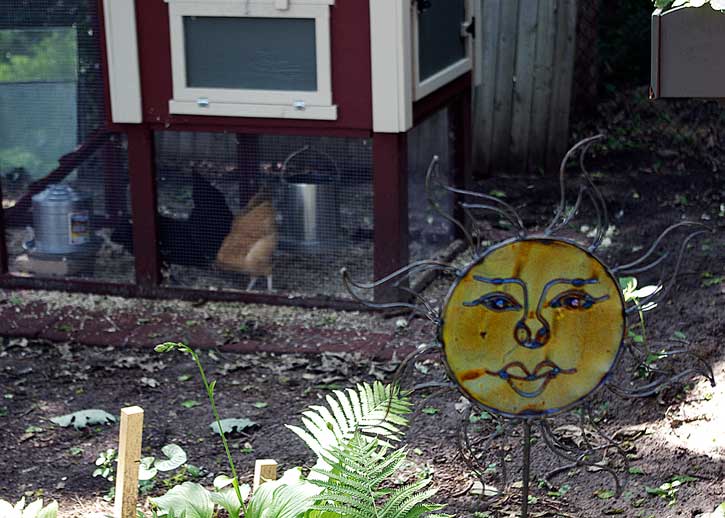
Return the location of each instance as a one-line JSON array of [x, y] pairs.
[[390, 206], [129, 458], [264, 471], [142, 178]]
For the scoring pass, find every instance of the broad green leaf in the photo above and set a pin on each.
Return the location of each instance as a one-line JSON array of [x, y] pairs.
[[189, 500], [33, 510], [646, 291], [83, 418], [146, 471], [227, 499], [233, 425], [176, 458], [49, 511], [190, 403], [718, 5], [287, 497], [222, 481]]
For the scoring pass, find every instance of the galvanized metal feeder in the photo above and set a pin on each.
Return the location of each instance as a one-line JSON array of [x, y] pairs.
[[63, 241]]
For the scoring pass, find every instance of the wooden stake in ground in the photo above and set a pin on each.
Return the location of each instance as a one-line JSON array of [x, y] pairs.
[[129, 458], [264, 471]]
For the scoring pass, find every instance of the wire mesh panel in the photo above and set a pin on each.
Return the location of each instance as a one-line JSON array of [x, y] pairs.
[[52, 102], [51, 85], [429, 232], [264, 213], [75, 228]]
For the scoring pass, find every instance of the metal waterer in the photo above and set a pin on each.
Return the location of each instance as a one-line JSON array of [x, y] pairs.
[[309, 205], [61, 223]]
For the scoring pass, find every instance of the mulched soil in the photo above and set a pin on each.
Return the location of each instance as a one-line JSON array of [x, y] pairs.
[[49, 367]]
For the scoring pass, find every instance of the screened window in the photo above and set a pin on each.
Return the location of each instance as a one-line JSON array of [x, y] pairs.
[[251, 53], [251, 59], [442, 43]]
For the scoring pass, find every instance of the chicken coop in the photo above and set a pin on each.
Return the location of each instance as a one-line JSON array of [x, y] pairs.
[[229, 149]]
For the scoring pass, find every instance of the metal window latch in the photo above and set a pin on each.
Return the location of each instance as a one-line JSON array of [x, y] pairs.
[[468, 28], [299, 105], [202, 102], [424, 5]]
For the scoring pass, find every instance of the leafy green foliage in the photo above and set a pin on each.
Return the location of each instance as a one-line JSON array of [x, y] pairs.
[[33, 510], [354, 486], [371, 410], [47, 55], [668, 490], [351, 438], [176, 458], [83, 418], [189, 500], [288, 497], [718, 5], [106, 462]]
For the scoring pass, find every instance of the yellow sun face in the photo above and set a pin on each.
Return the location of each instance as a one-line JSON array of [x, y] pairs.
[[533, 327]]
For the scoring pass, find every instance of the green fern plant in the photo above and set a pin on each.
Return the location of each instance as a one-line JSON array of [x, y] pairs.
[[371, 411], [354, 487]]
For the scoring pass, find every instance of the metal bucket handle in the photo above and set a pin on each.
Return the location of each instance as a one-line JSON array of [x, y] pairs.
[[304, 149]]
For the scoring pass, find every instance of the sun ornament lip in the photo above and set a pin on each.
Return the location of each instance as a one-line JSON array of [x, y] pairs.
[[546, 370]]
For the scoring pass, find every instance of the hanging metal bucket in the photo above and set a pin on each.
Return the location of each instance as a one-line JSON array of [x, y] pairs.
[[61, 222], [309, 207]]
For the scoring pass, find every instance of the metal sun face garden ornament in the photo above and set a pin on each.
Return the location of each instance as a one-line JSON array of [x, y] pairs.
[[534, 325]]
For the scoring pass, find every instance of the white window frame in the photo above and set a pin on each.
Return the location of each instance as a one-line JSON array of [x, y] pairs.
[[451, 72], [287, 104]]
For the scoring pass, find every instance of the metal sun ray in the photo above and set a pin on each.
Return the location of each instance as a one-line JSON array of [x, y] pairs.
[[589, 453]]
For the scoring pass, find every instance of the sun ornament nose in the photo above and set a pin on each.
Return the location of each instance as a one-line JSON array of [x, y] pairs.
[[523, 336]]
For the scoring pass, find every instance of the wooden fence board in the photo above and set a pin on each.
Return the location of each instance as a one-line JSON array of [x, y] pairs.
[[542, 80], [521, 111], [523, 87], [503, 99], [484, 95], [560, 107]]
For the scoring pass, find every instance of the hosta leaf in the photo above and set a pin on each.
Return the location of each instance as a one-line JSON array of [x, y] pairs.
[[189, 500], [146, 471], [176, 458], [288, 497], [233, 425], [227, 499], [33, 510], [49, 511], [83, 418]]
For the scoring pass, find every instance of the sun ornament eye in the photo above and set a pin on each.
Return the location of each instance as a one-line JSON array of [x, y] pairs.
[[496, 301], [575, 300]]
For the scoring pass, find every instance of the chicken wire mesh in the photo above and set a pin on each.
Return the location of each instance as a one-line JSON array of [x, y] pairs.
[[51, 85], [52, 102], [264, 213], [71, 230], [430, 234]]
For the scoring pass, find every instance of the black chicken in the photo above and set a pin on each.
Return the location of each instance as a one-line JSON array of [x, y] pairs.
[[193, 241]]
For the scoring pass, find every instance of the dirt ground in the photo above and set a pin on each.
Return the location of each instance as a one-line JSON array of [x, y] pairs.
[[678, 433]]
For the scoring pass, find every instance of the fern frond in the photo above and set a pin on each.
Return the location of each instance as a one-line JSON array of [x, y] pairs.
[[375, 410], [352, 487]]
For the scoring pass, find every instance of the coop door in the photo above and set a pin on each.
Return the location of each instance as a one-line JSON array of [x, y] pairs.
[[443, 32], [267, 58]]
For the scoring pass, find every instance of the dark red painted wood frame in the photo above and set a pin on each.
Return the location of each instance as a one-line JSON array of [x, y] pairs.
[[351, 72], [351, 77]]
